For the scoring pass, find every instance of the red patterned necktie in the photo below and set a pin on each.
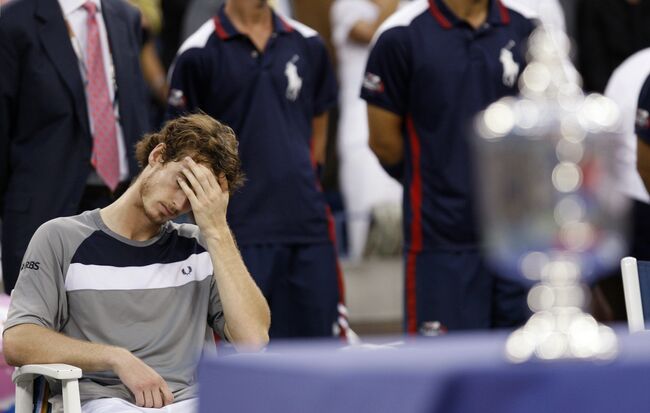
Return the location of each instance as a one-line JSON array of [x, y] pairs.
[[105, 156]]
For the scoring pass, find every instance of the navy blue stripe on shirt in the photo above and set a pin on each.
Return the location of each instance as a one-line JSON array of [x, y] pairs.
[[102, 249]]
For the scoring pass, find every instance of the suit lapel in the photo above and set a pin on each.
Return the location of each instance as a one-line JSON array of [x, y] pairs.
[[54, 37]]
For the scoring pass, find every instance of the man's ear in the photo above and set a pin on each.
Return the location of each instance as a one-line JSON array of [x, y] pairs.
[[156, 154]]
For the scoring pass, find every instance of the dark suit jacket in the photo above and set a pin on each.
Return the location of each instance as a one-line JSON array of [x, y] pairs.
[[45, 141]]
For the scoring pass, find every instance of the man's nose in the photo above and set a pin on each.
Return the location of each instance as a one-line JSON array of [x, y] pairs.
[[180, 201]]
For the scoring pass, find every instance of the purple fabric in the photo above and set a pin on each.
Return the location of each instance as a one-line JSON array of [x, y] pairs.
[[454, 373]]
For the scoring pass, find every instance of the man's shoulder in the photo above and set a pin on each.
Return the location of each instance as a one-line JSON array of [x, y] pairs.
[[403, 19], [629, 75], [129, 10], [17, 15], [300, 33], [66, 226], [299, 28], [522, 18], [17, 8], [199, 39]]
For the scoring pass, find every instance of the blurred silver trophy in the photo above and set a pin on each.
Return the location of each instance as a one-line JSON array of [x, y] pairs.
[[550, 211]]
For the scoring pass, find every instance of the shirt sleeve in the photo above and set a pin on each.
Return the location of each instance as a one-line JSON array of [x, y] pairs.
[[187, 81], [642, 124], [326, 88], [216, 318], [39, 295], [386, 81]]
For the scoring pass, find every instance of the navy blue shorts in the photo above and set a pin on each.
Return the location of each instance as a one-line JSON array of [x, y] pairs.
[[458, 290], [300, 283]]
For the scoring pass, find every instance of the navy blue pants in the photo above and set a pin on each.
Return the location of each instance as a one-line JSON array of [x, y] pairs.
[[458, 290], [300, 283]]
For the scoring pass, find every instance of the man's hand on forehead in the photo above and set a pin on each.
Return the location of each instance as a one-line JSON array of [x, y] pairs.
[[188, 161], [208, 195]]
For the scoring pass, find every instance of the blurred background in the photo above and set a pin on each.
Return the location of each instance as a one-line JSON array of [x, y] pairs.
[[368, 223]]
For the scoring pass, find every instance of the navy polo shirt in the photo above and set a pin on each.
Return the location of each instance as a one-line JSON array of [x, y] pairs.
[[269, 98], [437, 72], [642, 124]]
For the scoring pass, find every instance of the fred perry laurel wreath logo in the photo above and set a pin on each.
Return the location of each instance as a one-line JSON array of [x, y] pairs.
[[187, 270]]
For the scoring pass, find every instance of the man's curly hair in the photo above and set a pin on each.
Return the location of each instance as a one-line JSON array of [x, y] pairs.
[[201, 137]]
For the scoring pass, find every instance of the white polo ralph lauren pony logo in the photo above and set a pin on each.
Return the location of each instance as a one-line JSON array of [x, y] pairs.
[[294, 81], [510, 67]]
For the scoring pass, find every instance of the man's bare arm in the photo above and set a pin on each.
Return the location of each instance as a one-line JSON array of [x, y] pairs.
[[363, 30], [319, 137], [643, 162], [247, 313], [385, 135], [34, 344], [245, 309], [26, 344]]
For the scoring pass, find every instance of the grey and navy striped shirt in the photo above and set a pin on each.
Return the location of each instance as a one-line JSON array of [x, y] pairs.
[[156, 298]]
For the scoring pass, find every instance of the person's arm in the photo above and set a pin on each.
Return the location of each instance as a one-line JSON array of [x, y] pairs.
[[34, 344], [319, 138], [385, 88], [37, 314], [245, 309], [324, 98], [643, 161], [363, 30], [385, 135], [154, 72]]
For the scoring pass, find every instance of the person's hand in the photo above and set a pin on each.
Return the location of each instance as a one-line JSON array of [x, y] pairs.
[[149, 389], [208, 196]]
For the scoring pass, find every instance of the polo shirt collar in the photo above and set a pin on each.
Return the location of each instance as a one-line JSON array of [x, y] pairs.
[[226, 30], [498, 14]]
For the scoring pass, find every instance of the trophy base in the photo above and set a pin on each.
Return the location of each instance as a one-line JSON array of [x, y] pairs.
[[561, 333]]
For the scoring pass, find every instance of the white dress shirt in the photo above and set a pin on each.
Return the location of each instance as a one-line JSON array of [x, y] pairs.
[[364, 183]]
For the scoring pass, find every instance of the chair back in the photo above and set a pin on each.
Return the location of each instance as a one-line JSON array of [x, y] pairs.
[[636, 287]]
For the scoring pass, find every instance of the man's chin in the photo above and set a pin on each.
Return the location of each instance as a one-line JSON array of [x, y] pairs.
[[157, 218]]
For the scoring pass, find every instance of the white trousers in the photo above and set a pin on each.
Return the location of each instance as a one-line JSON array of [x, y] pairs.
[[115, 405]]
